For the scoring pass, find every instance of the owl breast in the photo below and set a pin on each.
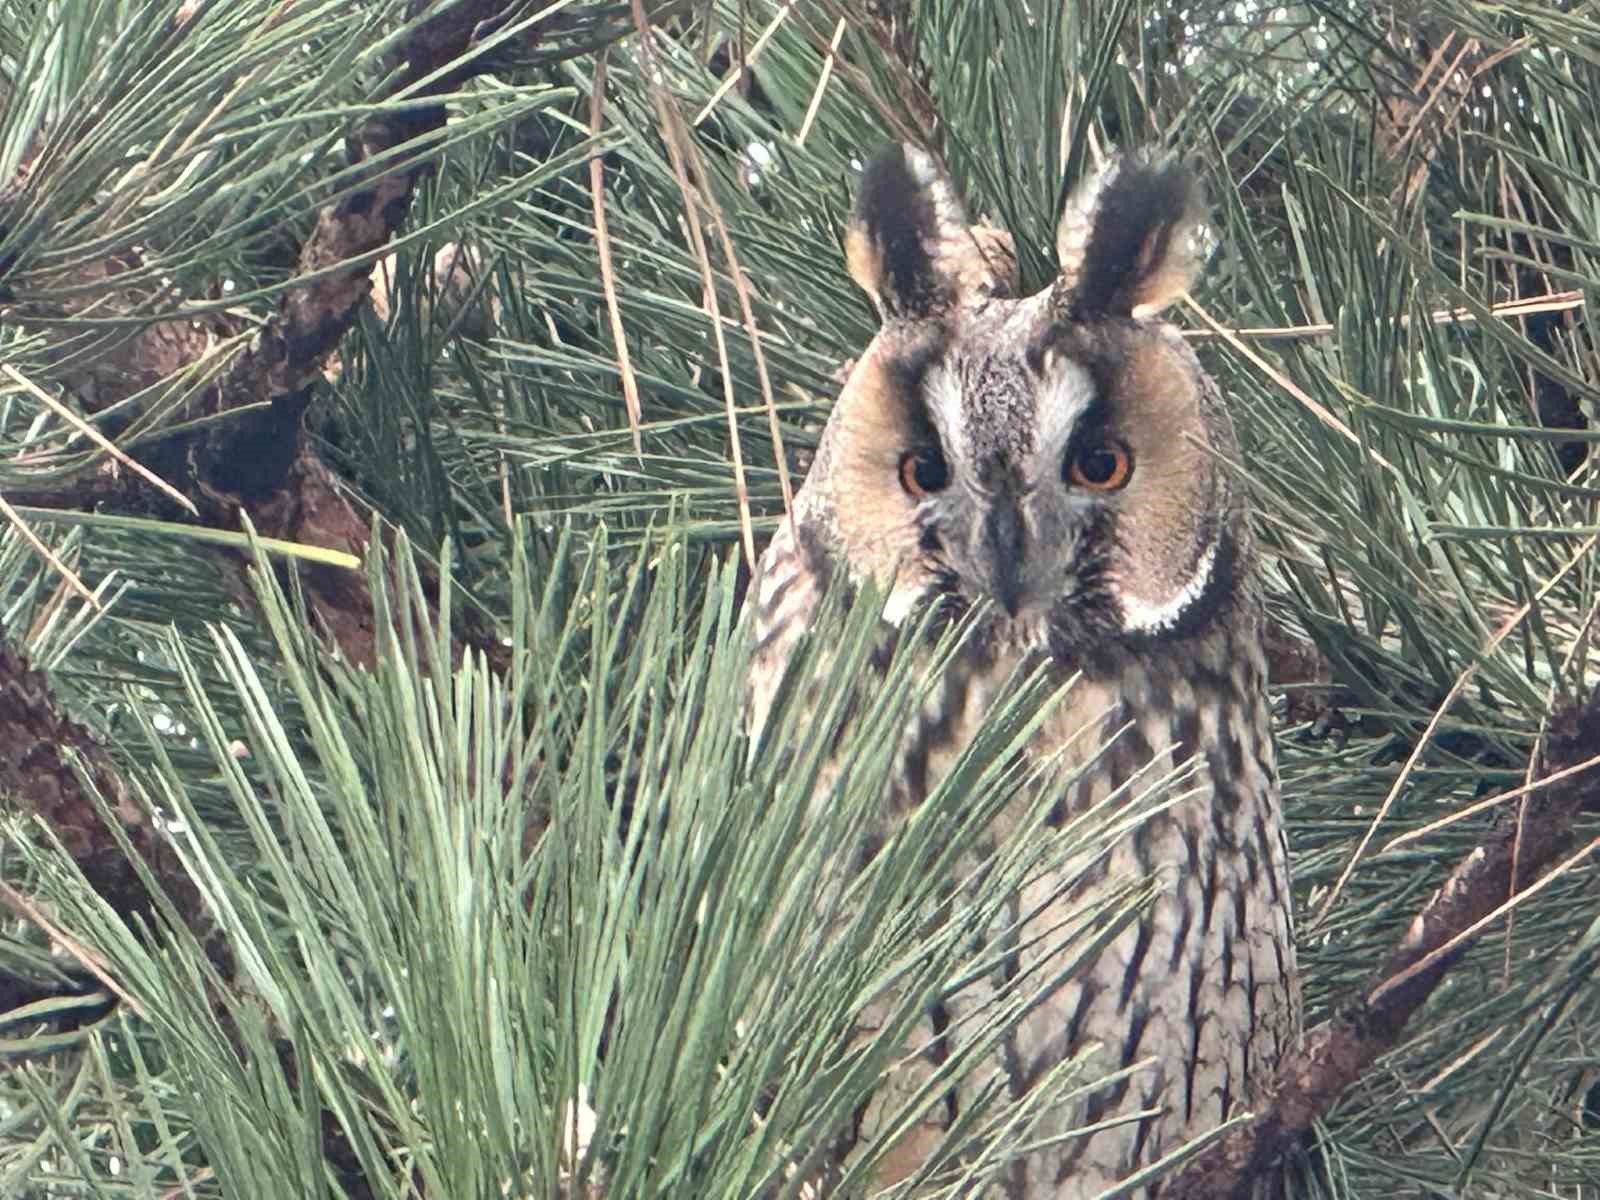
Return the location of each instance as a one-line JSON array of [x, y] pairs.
[[1199, 998]]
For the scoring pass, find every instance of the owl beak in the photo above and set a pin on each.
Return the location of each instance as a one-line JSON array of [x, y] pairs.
[[1007, 536]]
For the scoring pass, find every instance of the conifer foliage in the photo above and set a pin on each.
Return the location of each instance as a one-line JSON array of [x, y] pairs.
[[393, 394]]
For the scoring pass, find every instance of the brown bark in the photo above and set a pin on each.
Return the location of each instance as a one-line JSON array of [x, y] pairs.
[[51, 766], [1296, 664]]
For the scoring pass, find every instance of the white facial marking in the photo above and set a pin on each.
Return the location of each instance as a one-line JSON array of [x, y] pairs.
[[1139, 617], [1064, 397], [942, 390], [899, 605]]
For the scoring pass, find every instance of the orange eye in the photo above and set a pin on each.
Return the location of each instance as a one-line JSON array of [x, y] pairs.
[[923, 471], [1100, 467]]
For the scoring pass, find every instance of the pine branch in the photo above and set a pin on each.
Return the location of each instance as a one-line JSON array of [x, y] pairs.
[[51, 766], [1522, 853], [256, 464], [251, 458], [892, 26]]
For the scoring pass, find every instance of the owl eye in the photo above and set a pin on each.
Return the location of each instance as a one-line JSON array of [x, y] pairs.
[[923, 471], [1100, 466]]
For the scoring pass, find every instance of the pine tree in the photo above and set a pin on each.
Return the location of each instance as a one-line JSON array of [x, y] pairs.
[[393, 396]]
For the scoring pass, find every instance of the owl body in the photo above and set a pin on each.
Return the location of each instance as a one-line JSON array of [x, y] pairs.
[[1054, 467]]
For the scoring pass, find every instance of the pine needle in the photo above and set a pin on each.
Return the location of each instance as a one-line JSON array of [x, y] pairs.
[[602, 241]]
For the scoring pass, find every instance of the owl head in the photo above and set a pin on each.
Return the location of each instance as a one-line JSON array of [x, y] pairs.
[[1061, 455]]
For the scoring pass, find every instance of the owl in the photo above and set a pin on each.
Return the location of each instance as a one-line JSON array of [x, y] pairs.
[[1057, 467]]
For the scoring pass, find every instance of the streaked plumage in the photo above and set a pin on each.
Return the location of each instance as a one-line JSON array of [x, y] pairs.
[[1065, 459]]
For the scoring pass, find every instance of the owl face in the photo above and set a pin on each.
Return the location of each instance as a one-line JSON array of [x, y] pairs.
[[1056, 456]]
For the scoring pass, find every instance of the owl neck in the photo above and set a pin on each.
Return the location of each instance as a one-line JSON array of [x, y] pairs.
[[1204, 707], [1197, 702]]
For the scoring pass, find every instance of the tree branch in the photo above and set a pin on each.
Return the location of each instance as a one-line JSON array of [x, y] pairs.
[[313, 316], [39, 748], [255, 464]]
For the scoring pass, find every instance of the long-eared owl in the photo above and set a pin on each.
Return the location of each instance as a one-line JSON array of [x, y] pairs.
[[1064, 459]]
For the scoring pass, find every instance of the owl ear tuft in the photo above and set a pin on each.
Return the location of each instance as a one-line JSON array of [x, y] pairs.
[[897, 245], [1125, 240]]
